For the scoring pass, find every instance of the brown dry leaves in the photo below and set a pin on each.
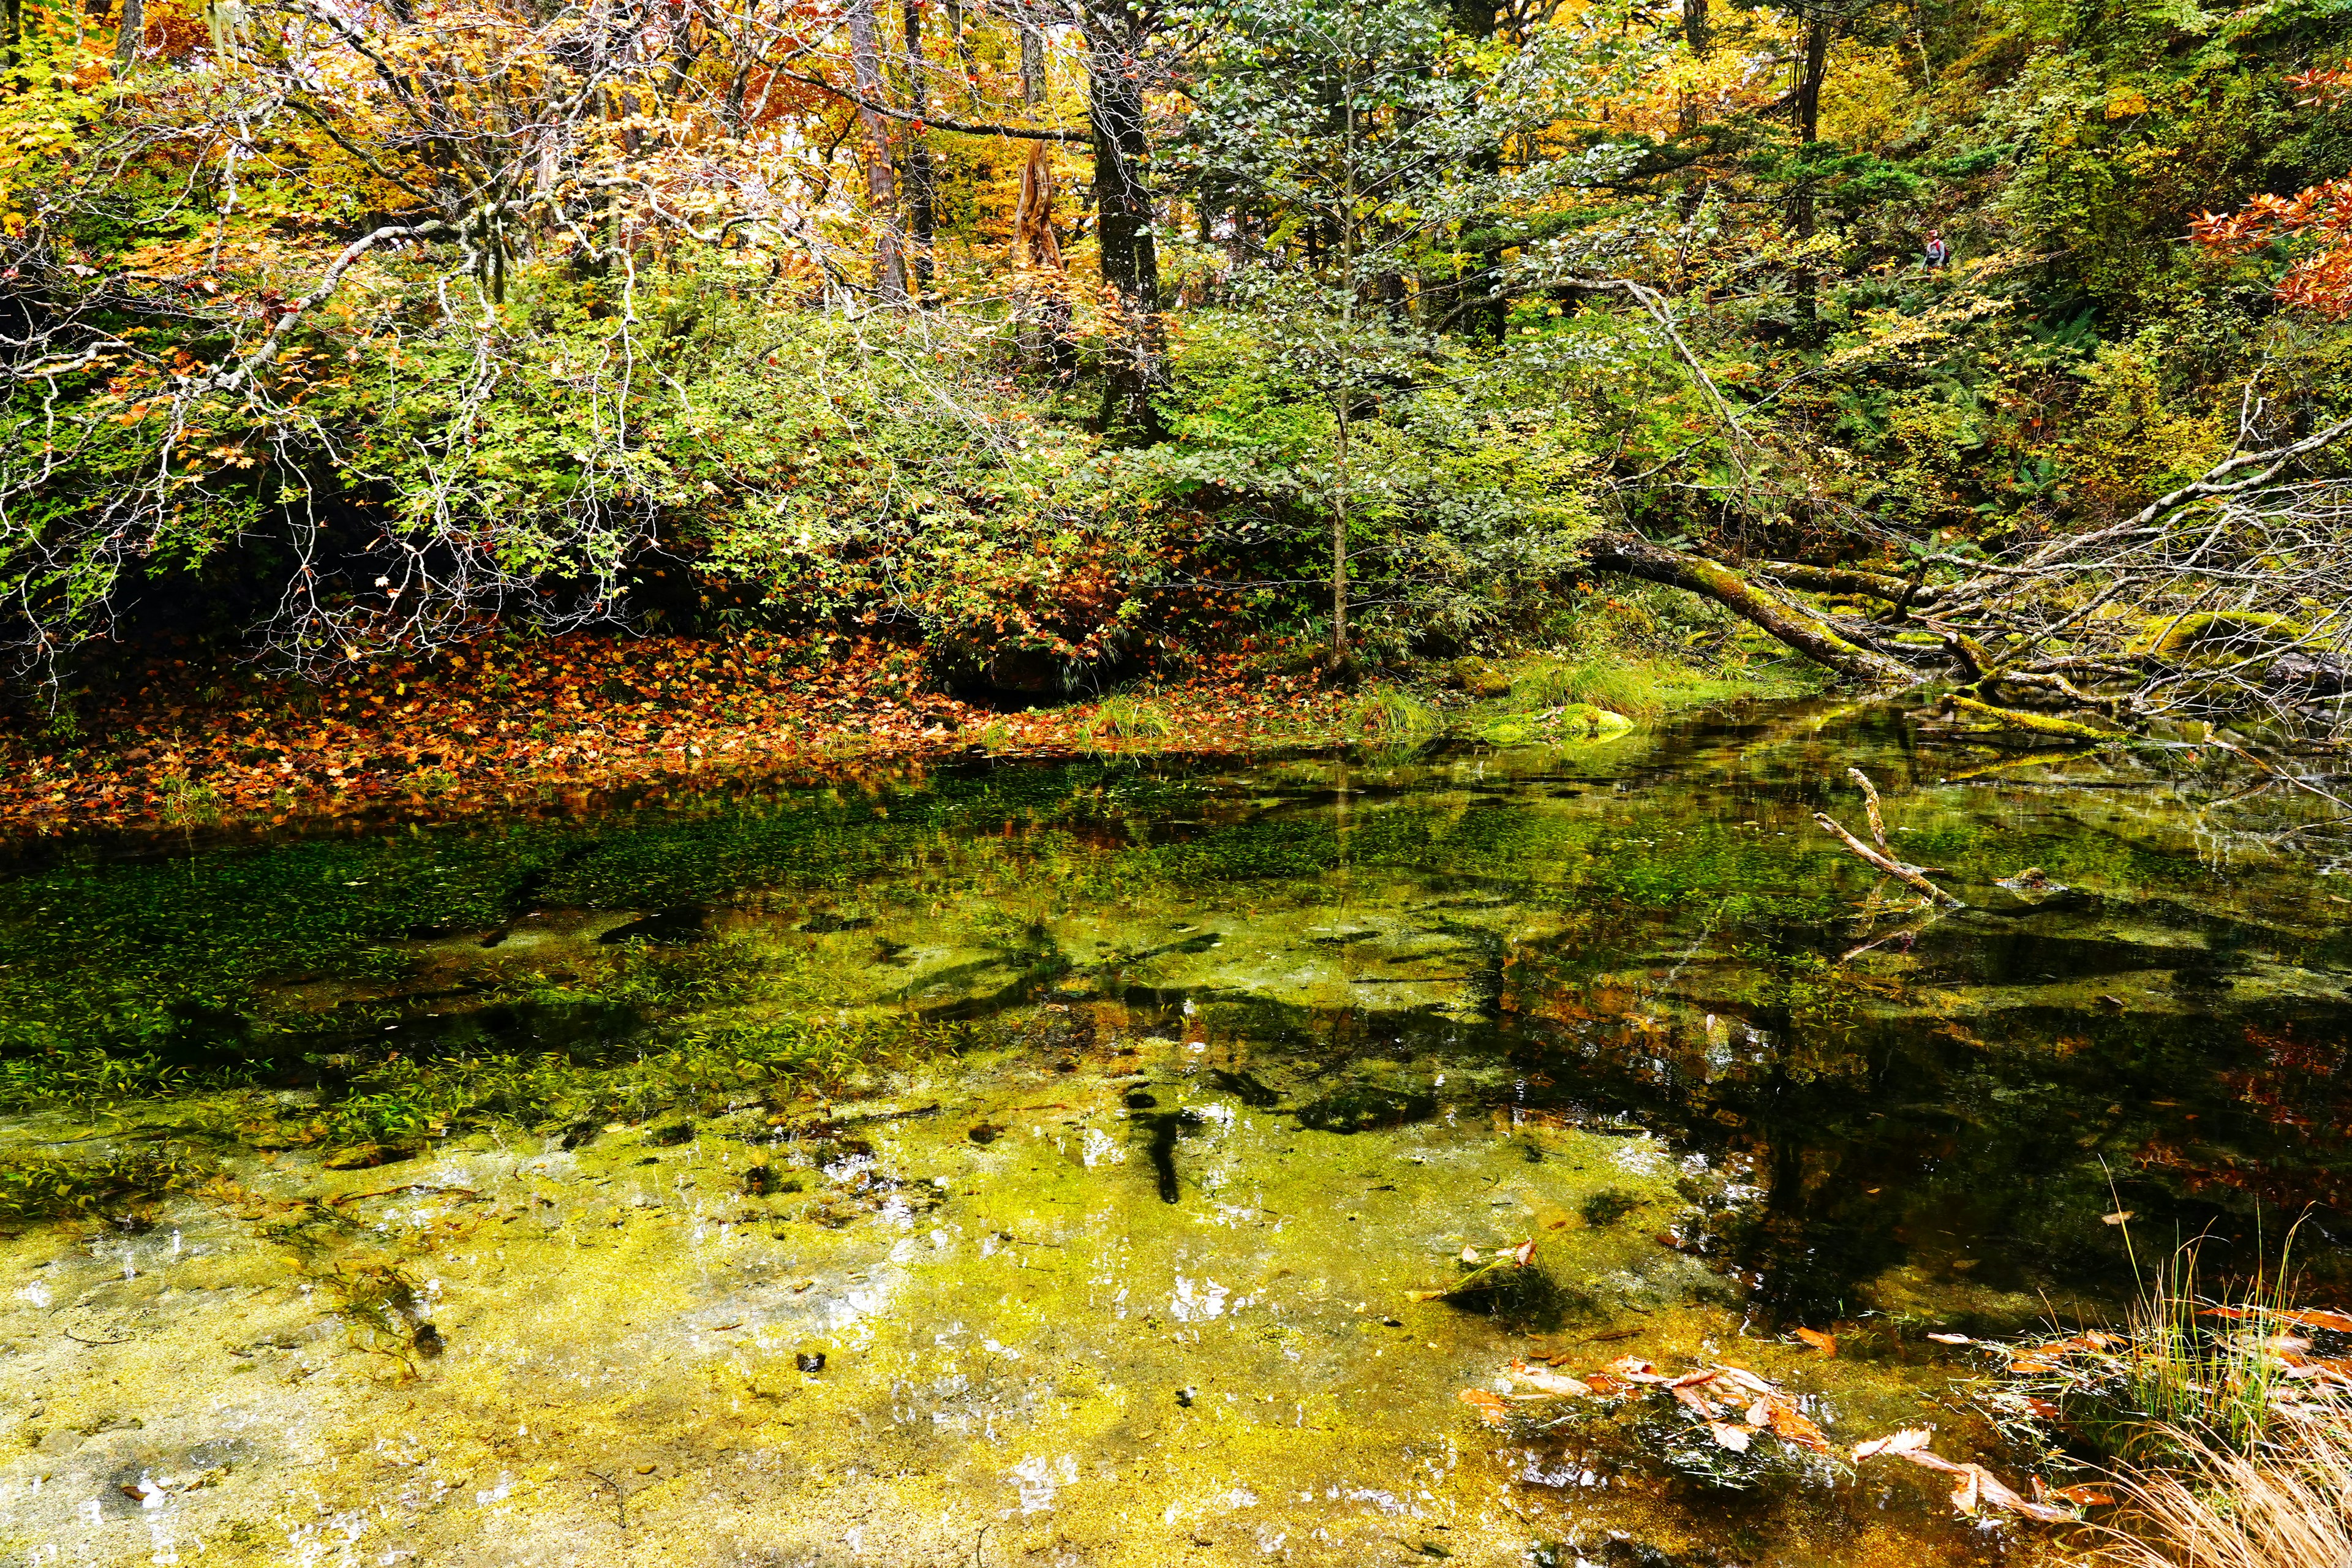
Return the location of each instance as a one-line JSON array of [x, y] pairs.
[[1974, 1486], [495, 724], [1737, 1407], [1734, 1403]]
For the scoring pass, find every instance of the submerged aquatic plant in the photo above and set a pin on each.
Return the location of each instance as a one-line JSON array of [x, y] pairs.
[[37, 1186], [92, 1080]]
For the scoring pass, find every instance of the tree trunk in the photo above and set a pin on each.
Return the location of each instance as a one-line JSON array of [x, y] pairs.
[[132, 35], [1041, 299], [1130, 257], [920, 209], [965, 63], [1340, 554], [1033, 60], [1701, 39], [866, 62], [1809, 634], [1807, 113]]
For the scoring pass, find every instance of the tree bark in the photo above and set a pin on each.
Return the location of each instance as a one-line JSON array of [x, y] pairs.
[[1130, 257], [131, 34], [1701, 39], [881, 180], [1041, 300], [1033, 60], [1850, 580], [1339, 585], [922, 211], [1802, 630]]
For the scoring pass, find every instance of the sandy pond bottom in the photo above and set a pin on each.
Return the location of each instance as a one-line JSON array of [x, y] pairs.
[[1134, 1319]]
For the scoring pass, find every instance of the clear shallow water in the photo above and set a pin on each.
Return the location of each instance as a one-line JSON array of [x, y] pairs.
[[1193, 1085]]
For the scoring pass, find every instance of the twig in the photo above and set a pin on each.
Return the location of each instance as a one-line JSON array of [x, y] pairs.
[[1908, 875], [1870, 804], [1883, 857], [1904, 934], [79, 1341], [619, 1499]]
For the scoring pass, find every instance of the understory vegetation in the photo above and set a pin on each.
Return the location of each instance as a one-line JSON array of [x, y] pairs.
[[1065, 343]]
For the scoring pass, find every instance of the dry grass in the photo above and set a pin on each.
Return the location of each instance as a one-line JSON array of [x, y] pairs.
[[2285, 1502]]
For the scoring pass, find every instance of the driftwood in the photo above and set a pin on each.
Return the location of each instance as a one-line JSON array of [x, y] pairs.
[[1883, 857]]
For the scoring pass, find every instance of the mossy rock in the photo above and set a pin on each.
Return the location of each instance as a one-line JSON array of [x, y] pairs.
[[1479, 678], [1576, 723]]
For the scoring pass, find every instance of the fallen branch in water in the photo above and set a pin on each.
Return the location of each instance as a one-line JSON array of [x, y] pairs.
[[1883, 857], [2033, 723]]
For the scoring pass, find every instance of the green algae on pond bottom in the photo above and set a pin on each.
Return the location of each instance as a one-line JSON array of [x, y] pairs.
[[1161, 1106], [1022, 1337]]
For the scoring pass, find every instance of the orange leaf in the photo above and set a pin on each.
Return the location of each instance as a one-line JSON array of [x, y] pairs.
[[1825, 1344], [1492, 1408]]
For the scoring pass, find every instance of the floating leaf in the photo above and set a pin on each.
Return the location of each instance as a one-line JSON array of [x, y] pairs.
[[1904, 1442], [1790, 1425], [1825, 1344], [1492, 1408], [1545, 1381]]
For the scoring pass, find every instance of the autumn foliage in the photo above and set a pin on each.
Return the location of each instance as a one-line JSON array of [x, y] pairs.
[[2320, 216]]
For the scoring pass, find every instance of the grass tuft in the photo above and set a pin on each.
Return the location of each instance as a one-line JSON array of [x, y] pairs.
[[1129, 717], [2189, 1370], [1391, 717], [1635, 688], [2285, 1502]]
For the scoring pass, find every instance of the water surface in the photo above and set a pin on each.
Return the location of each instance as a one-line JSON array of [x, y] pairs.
[[1160, 1102]]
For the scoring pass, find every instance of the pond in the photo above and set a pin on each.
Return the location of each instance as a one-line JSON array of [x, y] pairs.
[[1133, 1163]]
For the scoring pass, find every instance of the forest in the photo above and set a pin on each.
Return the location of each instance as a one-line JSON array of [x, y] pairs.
[[1062, 347]]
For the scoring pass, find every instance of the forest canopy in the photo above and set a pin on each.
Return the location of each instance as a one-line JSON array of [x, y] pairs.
[[1997, 337]]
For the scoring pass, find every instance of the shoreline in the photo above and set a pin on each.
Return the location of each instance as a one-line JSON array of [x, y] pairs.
[[502, 726]]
